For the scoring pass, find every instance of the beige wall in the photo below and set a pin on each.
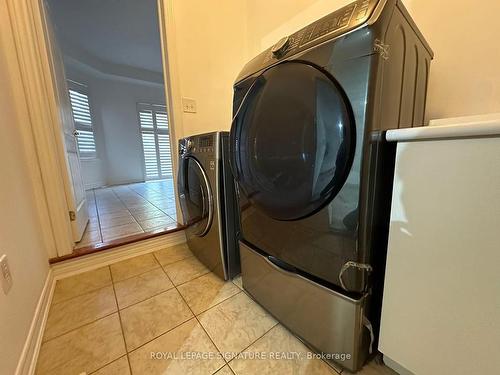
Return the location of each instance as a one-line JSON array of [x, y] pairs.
[[215, 42], [465, 76], [211, 49], [20, 235]]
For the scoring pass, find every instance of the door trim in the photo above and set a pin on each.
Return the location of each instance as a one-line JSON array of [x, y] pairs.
[[168, 38], [40, 98], [42, 134]]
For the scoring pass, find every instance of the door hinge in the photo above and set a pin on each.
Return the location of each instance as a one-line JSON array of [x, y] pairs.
[[72, 215]]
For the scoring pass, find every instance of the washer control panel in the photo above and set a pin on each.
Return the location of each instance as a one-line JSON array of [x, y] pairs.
[[206, 144], [343, 20]]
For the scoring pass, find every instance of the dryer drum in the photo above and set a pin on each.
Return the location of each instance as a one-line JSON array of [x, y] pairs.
[[293, 140]]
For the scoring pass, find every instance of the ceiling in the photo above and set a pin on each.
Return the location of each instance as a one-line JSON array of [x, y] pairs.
[[116, 32]]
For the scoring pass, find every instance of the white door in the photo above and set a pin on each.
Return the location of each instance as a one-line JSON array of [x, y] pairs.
[[74, 186]]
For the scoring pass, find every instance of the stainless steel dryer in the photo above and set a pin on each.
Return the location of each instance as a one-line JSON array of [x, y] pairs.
[[207, 198], [315, 174]]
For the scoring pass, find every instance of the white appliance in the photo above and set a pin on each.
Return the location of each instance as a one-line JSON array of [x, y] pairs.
[[441, 304]]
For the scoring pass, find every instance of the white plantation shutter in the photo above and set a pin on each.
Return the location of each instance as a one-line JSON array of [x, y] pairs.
[[83, 122], [153, 121], [161, 120], [164, 143], [146, 119], [86, 142], [150, 157]]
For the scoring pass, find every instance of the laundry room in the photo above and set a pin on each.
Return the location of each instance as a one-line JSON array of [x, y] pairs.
[[249, 187]]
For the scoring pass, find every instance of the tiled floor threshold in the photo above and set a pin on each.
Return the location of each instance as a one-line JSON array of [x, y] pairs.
[[124, 214], [165, 313], [126, 210]]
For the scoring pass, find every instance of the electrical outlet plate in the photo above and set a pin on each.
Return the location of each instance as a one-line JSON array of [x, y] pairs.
[[188, 105], [5, 274]]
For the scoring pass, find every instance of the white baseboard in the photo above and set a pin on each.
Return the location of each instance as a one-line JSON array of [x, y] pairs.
[[92, 261], [29, 355], [94, 185]]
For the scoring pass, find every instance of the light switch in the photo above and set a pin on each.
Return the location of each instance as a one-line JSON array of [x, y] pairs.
[[188, 105], [5, 274]]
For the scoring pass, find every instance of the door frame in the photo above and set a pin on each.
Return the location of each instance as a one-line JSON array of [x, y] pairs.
[[44, 130], [173, 99]]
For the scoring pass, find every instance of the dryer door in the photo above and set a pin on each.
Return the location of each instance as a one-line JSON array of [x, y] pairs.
[[195, 194], [292, 141]]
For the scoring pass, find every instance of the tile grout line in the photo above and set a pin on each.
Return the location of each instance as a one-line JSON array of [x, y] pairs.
[[172, 287], [81, 326], [156, 191], [128, 210], [202, 327], [144, 300], [218, 303], [180, 260], [295, 336], [171, 329], [97, 215], [219, 370], [160, 335], [144, 229], [258, 338], [121, 323], [98, 218], [80, 295], [118, 309], [100, 368]]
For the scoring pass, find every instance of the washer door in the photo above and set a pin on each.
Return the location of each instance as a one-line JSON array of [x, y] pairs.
[[292, 141], [195, 194]]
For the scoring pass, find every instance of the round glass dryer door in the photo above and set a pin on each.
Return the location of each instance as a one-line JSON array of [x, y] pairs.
[[195, 196], [293, 140]]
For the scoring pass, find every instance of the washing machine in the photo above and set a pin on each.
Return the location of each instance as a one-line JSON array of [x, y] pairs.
[[314, 172], [207, 198]]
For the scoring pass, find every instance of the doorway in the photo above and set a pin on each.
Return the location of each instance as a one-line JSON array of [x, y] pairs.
[[112, 77]]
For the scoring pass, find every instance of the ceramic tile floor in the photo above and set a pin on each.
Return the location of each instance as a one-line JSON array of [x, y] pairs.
[[125, 210], [165, 313]]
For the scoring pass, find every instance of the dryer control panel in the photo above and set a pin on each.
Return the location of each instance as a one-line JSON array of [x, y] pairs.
[[334, 24], [340, 21]]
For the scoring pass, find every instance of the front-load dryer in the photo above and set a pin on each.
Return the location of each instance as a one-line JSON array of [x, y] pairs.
[[314, 173], [208, 203]]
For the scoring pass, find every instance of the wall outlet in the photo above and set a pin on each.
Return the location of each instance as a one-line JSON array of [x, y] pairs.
[[189, 105], [5, 274]]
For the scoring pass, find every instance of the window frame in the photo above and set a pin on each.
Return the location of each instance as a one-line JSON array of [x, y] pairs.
[[82, 89]]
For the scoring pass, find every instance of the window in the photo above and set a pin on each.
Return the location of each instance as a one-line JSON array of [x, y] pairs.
[[153, 121], [83, 120]]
